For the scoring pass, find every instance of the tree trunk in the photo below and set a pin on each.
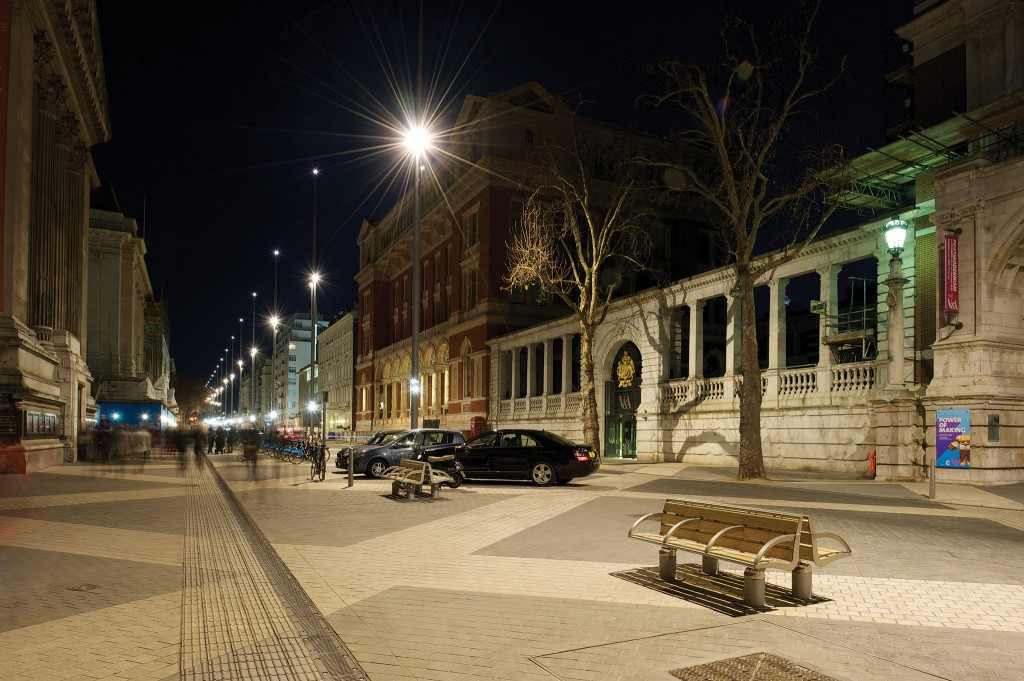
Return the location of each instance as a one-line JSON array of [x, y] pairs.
[[751, 458], [591, 429]]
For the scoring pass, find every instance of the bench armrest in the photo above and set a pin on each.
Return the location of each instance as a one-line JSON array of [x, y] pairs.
[[822, 562], [711, 542], [791, 538], [672, 530], [649, 516]]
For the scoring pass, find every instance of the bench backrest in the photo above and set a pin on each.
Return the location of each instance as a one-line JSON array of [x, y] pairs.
[[413, 464], [759, 526]]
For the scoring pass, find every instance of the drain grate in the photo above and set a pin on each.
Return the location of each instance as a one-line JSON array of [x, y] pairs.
[[757, 667], [84, 587]]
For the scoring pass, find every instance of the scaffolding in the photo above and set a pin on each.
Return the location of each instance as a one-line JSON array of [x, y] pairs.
[[851, 334]]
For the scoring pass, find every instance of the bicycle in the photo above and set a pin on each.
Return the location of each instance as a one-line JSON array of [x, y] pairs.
[[318, 457]]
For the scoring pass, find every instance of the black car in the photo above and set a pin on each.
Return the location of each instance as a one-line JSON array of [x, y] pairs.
[[386, 449], [536, 455]]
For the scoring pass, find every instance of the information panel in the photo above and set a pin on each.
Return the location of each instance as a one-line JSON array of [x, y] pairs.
[[953, 438]]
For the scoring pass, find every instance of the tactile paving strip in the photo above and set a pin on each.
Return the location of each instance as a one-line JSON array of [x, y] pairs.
[[243, 615]]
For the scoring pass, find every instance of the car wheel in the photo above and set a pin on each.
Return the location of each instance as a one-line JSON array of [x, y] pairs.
[[376, 468], [564, 481], [542, 474]]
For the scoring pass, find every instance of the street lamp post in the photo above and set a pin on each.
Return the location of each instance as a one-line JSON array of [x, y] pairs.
[[252, 377], [312, 305], [273, 351], [417, 142]]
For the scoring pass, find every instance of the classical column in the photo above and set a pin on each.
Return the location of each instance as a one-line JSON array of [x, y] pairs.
[[696, 358], [777, 324], [531, 362], [829, 294], [514, 382], [567, 363], [49, 165], [549, 365], [733, 336]]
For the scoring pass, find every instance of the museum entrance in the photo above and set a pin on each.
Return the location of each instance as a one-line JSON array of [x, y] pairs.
[[622, 397]]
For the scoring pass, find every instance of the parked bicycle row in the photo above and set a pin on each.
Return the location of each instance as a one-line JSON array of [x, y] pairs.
[[296, 451]]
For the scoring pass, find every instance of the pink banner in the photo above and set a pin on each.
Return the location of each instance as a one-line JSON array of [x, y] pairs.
[[952, 268]]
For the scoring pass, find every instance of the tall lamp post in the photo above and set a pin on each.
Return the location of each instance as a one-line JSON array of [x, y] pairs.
[[312, 302], [238, 411], [895, 237], [252, 351], [417, 142], [274, 320], [314, 395]]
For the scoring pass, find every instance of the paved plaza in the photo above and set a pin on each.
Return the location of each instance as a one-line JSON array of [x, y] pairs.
[[179, 570]]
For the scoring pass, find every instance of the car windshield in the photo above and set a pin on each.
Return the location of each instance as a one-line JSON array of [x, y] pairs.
[[387, 438]]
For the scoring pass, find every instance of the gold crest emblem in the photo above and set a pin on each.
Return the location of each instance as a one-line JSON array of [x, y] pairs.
[[625, 371]]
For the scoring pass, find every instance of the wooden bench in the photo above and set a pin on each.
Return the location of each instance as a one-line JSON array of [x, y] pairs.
[[756, 538], [409, 477]]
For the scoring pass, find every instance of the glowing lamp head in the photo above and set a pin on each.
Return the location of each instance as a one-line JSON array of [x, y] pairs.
[[414, 386], [895, 236], [312, 406], [418, 140], [314, 279], [252, 352]]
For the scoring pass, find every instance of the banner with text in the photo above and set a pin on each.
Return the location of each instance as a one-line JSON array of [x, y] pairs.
[[953, 438], [951, 264]]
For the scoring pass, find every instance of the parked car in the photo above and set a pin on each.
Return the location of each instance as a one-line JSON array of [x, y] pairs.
[[386, 449], [536, 455]]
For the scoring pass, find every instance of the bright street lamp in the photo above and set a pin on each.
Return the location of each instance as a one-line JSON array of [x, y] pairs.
[[418, 141]]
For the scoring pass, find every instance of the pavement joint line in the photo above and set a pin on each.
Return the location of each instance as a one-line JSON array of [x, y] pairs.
[[57, 500]]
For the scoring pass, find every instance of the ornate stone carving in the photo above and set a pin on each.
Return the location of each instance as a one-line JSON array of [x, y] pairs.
[[78, 157], [53, 96], [42, 54], [69, 131]]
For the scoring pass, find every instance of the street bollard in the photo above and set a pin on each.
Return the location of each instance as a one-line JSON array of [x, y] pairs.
[[351, 473], [709, 564]]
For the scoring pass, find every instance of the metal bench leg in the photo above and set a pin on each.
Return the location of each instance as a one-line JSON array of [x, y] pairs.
[[802, 582], [667, 564], [709, 564], [396, 488], [753, 587], [435, 491]]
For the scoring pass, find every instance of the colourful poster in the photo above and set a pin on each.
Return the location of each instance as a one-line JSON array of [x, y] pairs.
[[953, 438]]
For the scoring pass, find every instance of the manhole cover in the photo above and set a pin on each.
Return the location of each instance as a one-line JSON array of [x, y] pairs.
[[758, 667], [84, 587]]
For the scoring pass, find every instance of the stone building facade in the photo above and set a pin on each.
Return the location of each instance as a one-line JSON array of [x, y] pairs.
[[53, 109], [944, 329]]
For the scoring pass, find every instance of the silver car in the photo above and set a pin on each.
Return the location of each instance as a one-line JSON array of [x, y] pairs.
[[387, 449]]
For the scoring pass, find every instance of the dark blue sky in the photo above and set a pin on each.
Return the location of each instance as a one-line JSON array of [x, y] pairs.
[[220, 110]]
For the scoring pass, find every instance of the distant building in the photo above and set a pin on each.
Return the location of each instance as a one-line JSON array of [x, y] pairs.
[[128, 352], [292, 353], [335, 362], [53, 110]]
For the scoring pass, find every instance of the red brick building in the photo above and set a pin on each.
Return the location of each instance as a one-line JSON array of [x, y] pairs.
[[473, 193]]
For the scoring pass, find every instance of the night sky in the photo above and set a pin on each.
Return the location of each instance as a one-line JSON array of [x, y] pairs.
[[220, 110]]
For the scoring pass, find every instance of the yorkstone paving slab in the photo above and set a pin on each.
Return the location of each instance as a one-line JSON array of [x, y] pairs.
[[43, 586], [750, 493], [311, 516], [1013, 492], [40, 484], [151, 515]]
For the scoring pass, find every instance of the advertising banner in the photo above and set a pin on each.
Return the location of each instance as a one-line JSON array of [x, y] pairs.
[[953, 438], [951, 264]]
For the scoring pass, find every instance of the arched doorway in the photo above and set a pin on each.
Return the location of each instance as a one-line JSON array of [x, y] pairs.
[[622, 397]]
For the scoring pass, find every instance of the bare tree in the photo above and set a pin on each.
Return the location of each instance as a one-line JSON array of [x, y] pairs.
[[578, 237], [761, 193]]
